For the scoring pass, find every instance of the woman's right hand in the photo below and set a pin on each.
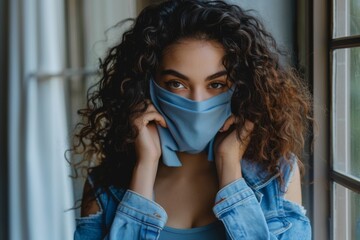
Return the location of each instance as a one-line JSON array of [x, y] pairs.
[[147, 143], [148, 151]]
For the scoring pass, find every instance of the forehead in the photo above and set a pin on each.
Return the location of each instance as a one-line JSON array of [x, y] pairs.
[[188, 55]]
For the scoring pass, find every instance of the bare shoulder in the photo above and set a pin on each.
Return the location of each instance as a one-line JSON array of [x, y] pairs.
[[293, 192], [89, 204]]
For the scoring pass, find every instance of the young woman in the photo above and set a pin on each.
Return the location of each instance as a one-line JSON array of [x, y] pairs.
[[196, 127]]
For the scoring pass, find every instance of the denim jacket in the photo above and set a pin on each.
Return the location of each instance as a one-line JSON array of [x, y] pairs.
[[252, 207]]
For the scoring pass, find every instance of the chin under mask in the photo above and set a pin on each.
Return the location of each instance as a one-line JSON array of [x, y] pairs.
[[192, 125]]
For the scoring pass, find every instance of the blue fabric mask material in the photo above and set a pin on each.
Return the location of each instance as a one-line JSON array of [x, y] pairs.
[[192, 125]]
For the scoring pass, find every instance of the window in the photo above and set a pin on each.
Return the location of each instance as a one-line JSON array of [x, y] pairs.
[[345, 119]]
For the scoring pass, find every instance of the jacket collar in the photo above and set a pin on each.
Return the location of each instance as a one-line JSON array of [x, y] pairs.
[[256, 175], [117, 193]]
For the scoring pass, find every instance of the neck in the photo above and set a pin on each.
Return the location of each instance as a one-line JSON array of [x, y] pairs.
[[192, 165]]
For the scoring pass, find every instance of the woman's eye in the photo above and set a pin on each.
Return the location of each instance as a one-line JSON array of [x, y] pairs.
[[174, 85], [217, 85]]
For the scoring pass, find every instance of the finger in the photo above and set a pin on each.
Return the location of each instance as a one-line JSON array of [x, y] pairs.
[[153, 116], [161, 121], [246, 131], [154, 112], [151, 108], [227, 124], [248, 126], [150, 114], [147, 103]]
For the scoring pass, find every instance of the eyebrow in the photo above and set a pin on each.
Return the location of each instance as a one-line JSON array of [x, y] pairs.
[[182, 76]]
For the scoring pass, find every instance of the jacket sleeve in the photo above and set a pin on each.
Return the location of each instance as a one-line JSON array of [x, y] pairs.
[[240, 211], [135, 218]]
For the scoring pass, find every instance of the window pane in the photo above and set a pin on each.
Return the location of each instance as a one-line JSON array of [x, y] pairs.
[[346, 111], [346, 213], [346, 18]]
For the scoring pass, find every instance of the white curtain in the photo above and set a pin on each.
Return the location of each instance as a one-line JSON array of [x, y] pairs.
[[92, 33], [40, 189]]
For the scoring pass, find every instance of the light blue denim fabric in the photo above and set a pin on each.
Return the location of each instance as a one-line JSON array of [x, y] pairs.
[[252, 207]]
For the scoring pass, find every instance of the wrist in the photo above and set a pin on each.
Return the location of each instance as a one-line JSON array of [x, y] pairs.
[[151, 163], [143, 178], [228, 171]]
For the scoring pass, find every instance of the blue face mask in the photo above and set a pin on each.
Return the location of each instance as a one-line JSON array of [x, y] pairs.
[[192, 125]]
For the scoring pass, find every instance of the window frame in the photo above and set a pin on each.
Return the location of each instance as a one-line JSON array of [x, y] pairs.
[[337, 177], [318, 52]]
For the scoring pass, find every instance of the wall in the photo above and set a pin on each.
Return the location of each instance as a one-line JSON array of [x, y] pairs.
[[279, 18]]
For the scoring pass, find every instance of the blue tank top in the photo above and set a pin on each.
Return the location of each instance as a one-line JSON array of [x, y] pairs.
[[212, 231]]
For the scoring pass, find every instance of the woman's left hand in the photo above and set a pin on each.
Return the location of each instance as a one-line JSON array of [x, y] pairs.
[[229, 150]]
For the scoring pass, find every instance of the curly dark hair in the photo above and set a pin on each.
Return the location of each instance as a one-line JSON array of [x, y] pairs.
[[272, 96]]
